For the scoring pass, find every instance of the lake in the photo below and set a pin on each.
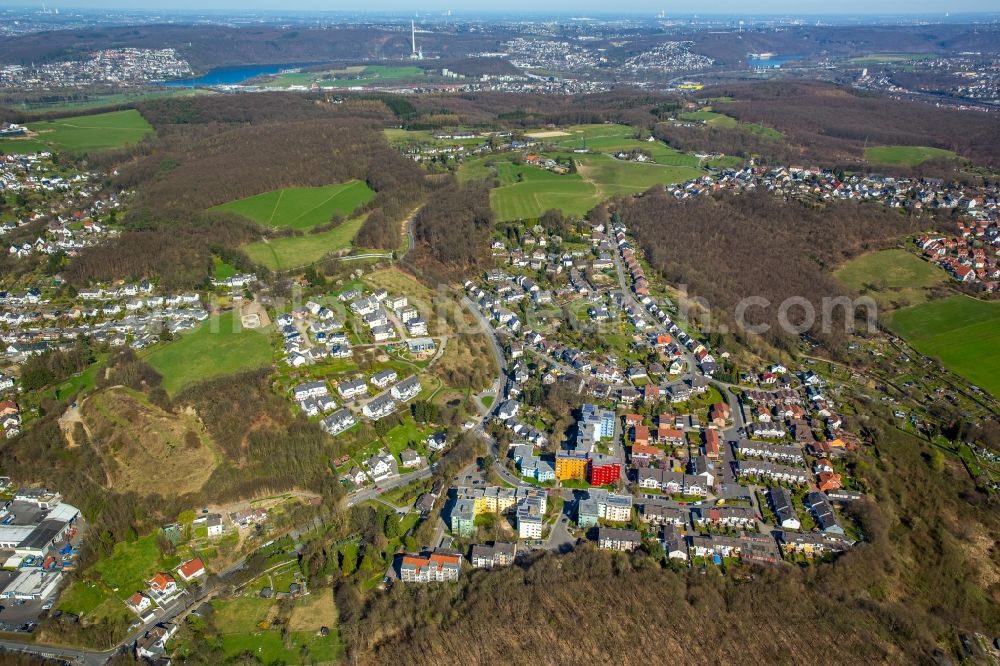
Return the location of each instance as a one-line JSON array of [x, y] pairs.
[[228, 76]]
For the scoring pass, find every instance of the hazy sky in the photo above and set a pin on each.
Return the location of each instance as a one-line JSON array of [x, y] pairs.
[[577, 7]]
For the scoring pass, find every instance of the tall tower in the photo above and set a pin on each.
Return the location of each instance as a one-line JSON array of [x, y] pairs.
[[413, 39]]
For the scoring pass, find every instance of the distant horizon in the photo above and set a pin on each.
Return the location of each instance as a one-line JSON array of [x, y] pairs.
[[436, 9]]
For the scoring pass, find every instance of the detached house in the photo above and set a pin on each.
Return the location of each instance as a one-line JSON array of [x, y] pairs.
[[352, 388], [407, 389]]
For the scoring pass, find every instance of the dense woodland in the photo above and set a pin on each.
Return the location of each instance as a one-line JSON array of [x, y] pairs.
[[754, 244], [452, 231], [828, 121]]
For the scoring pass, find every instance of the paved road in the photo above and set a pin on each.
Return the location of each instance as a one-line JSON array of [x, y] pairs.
[[386, 485], [631, 300], [502, 387], [87, 657]]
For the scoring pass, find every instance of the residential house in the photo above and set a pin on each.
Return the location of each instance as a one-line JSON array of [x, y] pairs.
[[436, 567], [500, 554], [191, 570], [611, 538], [784, 510], [407, 389]]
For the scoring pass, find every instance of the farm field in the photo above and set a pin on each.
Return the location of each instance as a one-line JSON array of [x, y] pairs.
[[961, 332], [281, 254], [81, 134], [894, 278], [300, 207], [717, 119], [399, 137], [528, 191], [906, 155], [220, 346], [103, 101], [882, 58], [616, 177], [613, 138]]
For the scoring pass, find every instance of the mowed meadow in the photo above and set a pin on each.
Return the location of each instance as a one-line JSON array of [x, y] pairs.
[[906, 155], [893, 278], [963, 333], [82, 134], [280, 254], [301, 207], [220, 346], [526, 191]]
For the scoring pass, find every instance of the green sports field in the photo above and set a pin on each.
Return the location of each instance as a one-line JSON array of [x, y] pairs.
[[906, 155], [220, 346], [300, 207], [81, 134], [894, 278], [281, 254], [961, 332]]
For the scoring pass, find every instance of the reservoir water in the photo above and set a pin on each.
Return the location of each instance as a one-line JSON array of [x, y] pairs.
[[228, 76]]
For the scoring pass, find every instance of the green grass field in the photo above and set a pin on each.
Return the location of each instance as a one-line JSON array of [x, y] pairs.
[[906, 155], [961, 332], [281, 254], [615, 177], [894, 278], [709, 117], [610, 139], [347, 77], [528, 191], [301, 207], [82, 597], [23, 146], [882, 58], [131, 564], [725, 162], [222, 270], [82, 134], [268, 647], [99, 101], [717, 119], [218, 347], [240, 622]]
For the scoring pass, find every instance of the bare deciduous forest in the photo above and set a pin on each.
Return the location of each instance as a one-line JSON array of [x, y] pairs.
[[452, 231], [731, 247], [213, 150]]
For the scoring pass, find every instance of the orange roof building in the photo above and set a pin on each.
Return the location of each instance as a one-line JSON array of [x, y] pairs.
[[191, 569]]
